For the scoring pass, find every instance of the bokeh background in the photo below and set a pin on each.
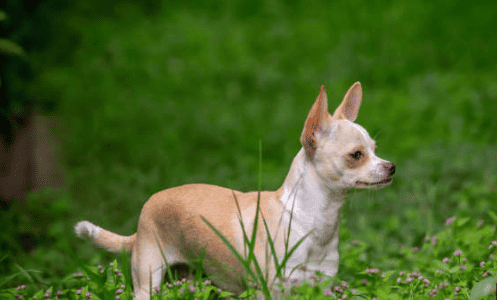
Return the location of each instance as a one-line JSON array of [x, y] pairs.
[[104, 103]]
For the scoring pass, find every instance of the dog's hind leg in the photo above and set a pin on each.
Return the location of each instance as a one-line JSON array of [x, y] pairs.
[[147, 268], [148, 260]]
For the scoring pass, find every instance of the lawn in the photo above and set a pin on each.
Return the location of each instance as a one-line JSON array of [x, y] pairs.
[[155, 95]]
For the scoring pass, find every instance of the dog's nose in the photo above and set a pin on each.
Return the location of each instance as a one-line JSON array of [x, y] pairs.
[[390, 167]]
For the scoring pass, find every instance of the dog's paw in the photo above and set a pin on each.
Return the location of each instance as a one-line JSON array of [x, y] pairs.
[[85, 229]]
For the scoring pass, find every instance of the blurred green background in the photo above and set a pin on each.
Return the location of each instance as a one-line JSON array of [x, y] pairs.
[[155, 94]]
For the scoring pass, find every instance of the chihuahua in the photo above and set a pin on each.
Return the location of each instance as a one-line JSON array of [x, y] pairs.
[[337, 155]]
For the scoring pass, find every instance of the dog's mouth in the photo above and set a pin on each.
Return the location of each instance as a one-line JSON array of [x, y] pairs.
[[376, 184]]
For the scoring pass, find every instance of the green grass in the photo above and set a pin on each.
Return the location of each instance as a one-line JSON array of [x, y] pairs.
[[439, 272], [155, 97]]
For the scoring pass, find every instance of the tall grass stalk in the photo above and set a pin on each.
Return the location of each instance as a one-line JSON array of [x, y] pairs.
[[249, 260]]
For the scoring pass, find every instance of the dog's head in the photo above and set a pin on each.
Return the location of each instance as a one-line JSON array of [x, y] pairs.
[[341, 151]]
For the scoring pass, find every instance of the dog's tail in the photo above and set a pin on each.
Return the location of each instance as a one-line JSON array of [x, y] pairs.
[[103, 238]]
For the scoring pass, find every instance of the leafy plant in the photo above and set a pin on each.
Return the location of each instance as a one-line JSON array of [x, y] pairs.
[[8, 47]]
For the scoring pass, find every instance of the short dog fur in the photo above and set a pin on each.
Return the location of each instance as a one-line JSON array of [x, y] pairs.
[[337, 155]]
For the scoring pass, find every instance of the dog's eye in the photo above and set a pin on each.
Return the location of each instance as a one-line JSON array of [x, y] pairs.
[[356, 155]]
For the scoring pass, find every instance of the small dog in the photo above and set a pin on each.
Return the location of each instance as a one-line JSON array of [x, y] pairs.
[[337, 155]]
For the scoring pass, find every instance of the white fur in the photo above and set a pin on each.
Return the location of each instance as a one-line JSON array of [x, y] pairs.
[[308, 197], [85, 229]]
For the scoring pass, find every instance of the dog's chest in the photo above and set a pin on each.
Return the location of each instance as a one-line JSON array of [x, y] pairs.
[[319, 246]]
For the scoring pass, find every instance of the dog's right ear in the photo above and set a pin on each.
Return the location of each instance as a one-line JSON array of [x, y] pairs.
[[349, 108], [316, 121]]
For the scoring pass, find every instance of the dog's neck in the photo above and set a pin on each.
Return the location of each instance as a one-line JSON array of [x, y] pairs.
[[313, 205], [313, 202]]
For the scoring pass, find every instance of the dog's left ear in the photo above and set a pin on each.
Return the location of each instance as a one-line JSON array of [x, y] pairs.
[[316, 121], [349, 108]]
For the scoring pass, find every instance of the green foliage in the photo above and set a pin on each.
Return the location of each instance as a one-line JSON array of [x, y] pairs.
[[484, 288], [8, 47], [41, 220], [161, 94], [440, 272]]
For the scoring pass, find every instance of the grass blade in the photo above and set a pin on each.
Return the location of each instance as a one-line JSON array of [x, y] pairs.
[[231, 247]]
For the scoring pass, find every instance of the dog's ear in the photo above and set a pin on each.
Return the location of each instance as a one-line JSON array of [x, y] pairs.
[[349, 108], [316, 121]]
